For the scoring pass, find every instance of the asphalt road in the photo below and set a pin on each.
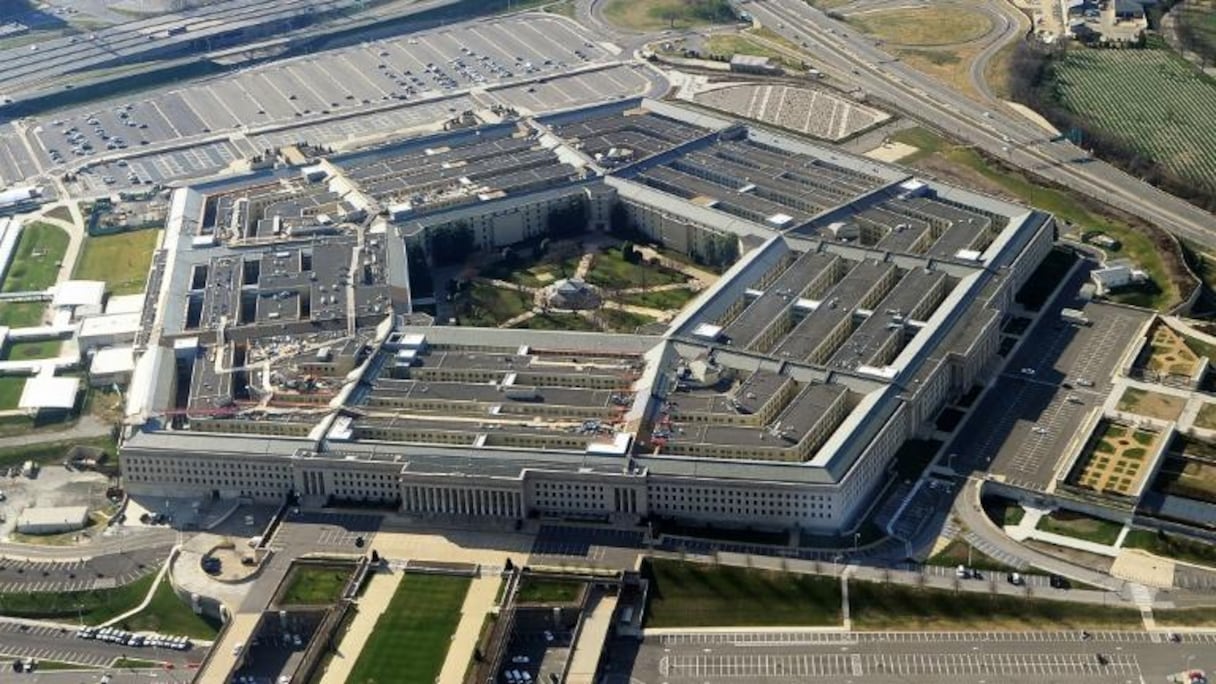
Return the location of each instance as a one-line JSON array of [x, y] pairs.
[[855, 58]]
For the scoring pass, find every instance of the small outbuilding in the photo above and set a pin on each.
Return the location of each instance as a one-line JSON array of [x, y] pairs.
[[573, 293], [112, 366], [52, 519], [81, 297], [49, 393]]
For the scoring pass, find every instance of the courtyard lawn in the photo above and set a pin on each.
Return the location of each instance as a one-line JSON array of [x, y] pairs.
[[411, 638], [121, 260], [21, 314], [314, 585], [486, 306], [695, 595], [10, 391], [532, 270], [36, 260], [616, 320], [663, 300], [559, 321], [541, 590], [610, 271], [26, 351]]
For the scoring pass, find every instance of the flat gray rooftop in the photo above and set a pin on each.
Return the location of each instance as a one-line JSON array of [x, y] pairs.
[[777, 298]]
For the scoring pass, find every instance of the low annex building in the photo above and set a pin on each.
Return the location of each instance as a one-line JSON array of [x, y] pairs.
[[52, 519], [777, 398]]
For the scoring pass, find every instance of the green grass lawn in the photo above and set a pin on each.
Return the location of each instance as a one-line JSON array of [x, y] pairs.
[[615, 320], [609, 270], [664, 300], [1185, 617], [696, 595], [532, 270], [93, 607], [10, 391], [542, 590], [877, 606], [412, 636], [729, 44], [313, 585], [121, 260], [1080, 526], [21, 314], [1172, 546], [168, 614], [559, 321], [48, 452], [959, 552], [1003, 511], [24, 351], [134, 664], [658, 15], [1066, 206], [485, 306], [36, 260]]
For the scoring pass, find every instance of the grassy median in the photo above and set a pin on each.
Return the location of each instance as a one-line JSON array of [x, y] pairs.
[[411, 638], [695, 595]]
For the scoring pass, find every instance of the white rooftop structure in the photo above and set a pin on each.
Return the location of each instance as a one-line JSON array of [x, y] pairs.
[[113, 360], [51, 519], [108, 329], [16, 195], [79, 293], [49, 392], [132, 303]]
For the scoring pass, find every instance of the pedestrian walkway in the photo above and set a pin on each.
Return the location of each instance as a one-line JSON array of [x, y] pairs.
[[1025, 528], [375, 599], [1140, 566], [477, 603]]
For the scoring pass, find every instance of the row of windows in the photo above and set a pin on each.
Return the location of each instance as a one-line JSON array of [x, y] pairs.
[[734, 495], [668, 498]]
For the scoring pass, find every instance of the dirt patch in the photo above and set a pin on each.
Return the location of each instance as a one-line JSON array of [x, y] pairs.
[[1151, 404]]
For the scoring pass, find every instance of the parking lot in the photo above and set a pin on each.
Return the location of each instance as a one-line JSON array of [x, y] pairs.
[[573, 90], [101, 572], [539, 645], [15, 162], [821, 638], [804, 655], [61, 645], [557, 545], [757, 666], [1059, 374], [328, 98]]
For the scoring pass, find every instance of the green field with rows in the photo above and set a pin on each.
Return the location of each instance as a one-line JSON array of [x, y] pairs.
[[1158, 104]]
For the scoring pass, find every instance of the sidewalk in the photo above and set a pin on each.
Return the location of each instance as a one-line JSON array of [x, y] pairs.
[[371, 605], [477, 603]]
